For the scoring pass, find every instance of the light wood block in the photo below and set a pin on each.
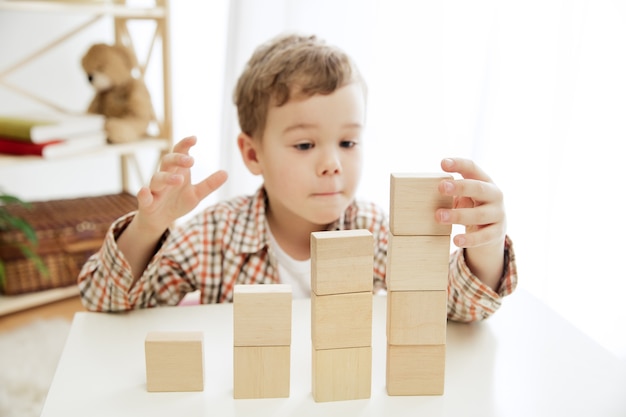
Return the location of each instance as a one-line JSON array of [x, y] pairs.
[[413, 201], [342, 374], [174, 361], [416, 370], [262, 315], [342, 261], [416, 263], [417, 317], [261, 371], [341, 320]]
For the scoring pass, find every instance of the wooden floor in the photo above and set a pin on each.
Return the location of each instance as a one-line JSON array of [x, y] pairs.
[[64, 308]]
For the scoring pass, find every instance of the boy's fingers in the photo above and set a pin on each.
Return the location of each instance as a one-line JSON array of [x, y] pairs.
[[481, 215], [476, 189], [161, 180], [479, 237], [184, 145], [172, 161], [466, 167], [211, 183]]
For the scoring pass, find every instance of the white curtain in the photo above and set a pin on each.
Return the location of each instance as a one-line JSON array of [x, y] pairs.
[[534, 91]]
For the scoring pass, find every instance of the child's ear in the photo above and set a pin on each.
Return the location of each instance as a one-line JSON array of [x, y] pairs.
[[248, 148]]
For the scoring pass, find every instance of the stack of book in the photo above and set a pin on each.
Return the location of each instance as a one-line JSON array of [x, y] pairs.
[[51, 136]]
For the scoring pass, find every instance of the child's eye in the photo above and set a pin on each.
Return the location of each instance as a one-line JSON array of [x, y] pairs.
[[303, 146], [347, 144]]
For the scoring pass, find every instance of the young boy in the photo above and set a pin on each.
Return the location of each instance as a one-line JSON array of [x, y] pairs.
[[301, 107]]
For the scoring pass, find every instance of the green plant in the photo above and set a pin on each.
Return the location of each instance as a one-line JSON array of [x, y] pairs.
[[10, 222]]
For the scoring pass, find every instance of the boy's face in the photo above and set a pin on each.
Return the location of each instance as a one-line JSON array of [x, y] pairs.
[[310, 155]]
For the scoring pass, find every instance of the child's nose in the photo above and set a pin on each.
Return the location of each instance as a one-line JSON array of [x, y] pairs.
[[329, 164]]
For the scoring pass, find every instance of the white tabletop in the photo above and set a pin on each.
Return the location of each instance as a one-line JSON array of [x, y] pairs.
[[524, 361]]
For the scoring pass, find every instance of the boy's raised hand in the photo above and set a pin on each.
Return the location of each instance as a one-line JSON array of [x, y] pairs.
[[170, 193], [478, 204]]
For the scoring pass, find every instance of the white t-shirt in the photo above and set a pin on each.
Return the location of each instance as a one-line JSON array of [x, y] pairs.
[[291, 271]]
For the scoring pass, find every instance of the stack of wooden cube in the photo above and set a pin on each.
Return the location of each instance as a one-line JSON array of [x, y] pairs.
[[341, 314], [262, 341], [417, 280]]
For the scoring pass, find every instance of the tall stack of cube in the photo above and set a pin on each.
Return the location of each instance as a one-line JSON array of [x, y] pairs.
[[262, 341], [341, 314], [417, 280]]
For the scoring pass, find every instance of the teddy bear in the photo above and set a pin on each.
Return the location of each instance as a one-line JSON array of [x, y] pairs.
[[121, 98]]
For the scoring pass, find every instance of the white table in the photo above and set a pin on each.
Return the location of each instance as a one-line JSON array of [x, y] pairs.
[[524, 361]]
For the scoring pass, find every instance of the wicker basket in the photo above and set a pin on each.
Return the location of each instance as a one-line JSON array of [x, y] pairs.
[[69, 231]]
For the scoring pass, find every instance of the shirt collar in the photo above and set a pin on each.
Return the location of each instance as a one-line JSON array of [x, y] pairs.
[[252, 227]]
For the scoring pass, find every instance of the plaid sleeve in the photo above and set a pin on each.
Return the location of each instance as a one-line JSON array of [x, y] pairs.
[[105, 281], [469, 299]]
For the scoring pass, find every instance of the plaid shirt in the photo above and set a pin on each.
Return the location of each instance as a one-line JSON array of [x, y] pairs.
[[228, 244]]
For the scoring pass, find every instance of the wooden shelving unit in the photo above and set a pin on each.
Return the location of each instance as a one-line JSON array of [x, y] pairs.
[[121, 13]]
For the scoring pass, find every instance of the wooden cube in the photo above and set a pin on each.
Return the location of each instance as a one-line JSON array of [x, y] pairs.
[[262, 315], [416, 263], [416, 370], [417, 317], [342, 374], [261, 371], [413, 201], [342, 261], [341, 320], [174, 361]]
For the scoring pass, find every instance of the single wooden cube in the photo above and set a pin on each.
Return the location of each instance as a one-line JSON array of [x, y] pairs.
[[413, 201], [342, 261], [416, 370], [341, 320], [262, 315], [261, 371], [174, 361], [417, 317], [342, 374], [416, 263]]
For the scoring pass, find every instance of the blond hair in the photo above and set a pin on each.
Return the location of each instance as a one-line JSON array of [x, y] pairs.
[[286, 67]]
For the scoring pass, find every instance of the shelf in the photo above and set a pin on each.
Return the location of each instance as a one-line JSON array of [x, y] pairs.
[[121, 14], [85, 7], [117, 149], [14, 303]]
